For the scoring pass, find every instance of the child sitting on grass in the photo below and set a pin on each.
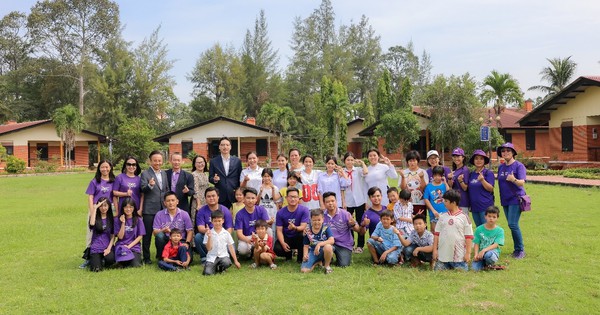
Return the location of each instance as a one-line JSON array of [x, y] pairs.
[[101, 225], [318, 244], [488, 239], [174, 256], [418, 247], [453, 236], [384, 244], [263, 246], [219, 244]]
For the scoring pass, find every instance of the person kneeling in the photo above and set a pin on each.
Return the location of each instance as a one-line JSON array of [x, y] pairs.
[[318, 244], [217, 242], [175, 257], [384, 244], [418, 247]]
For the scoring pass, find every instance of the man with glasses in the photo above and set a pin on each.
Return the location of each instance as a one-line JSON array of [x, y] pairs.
[[291, 221]]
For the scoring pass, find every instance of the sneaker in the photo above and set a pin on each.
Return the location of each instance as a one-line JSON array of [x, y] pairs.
[[358, 250], [273, 266], [253, 266], [519, 254], [147, 261], [84, 265], [328, 270], [495, 267]]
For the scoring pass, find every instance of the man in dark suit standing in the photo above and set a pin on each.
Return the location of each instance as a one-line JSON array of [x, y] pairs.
[[154, 185], [224, 172], [180, 182]]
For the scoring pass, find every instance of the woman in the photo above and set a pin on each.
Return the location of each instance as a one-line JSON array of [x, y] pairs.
[[295, 164], [354, 194], [334, 179], [433, 160], [480, 186], [511, 181], [129, 230], [310, 195], [251, 175], [280, 176], [458, 179], [414, 179], [200, 174], [379, 173], [127, 184]]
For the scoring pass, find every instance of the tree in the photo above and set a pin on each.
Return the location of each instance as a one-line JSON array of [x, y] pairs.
[[277, 118], [558, 75], [403, 62], [368, 114], [385, 95], [501, 89], [68, 122], [72, 31], [135, 138], [334, 100]]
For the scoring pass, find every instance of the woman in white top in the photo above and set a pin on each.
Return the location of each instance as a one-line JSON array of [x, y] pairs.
[[310, 195], [268, 194], [251, 176], [334, 179], [281, 173], [354, 195], [295, 164], [415, 179], [379, 173]]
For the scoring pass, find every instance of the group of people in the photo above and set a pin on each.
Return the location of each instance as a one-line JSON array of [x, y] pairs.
[[295, 210]]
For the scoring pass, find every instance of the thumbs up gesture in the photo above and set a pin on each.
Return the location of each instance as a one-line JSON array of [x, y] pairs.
[[185, 189], [152, 182], [216, 178]]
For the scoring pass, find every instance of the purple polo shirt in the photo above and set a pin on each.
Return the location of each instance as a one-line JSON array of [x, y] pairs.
[[480, 198], [340, 228], [373, 215], [100, 241], [131, 233], [203, 217], [101, 189], [245, 221], [285, 217], [464, 196], [174, 179], [510, 192], [181, 221], [332, 183], [123, 183]]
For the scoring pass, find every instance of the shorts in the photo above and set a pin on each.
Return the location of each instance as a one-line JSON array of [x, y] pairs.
[[313, 259]]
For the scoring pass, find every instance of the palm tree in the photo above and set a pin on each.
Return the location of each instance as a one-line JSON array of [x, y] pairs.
[[501, 89], [558, 75], [68, 122]]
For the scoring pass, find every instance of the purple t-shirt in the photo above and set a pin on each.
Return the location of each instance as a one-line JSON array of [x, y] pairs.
[[285, 217], [510, 192], [100, 241], [181, 221], [480, 198], [123, 183], [131, 233], [203, 217], [340, 228], [464, 196], [373, 215], [245, 221], [446, 172], [101, 189]]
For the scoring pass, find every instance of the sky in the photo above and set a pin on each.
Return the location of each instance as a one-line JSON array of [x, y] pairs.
[[460, 36]]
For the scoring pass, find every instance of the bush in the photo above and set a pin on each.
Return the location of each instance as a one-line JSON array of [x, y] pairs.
[[14, 165], [45, 167]]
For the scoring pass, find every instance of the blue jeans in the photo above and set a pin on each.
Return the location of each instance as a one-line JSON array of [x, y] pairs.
[[478, 218], [200, 247], [489, 259], [181, 256], [392, 257], [408, 253], [440, 265], [513, 214]]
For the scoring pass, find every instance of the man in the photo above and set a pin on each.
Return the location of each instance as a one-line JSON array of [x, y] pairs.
[[203, 219], [291, 221], [341, 224], [170, 218], [154, 185], [180, 182], [224, 172]]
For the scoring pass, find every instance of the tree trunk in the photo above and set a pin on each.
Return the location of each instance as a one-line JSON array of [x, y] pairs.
[[81, 94], [336, 141]]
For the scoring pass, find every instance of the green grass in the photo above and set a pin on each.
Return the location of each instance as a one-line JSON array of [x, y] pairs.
[[42, 228]]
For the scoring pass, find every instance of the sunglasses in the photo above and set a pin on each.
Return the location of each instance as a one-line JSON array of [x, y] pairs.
[[131, 164], [506, 150]]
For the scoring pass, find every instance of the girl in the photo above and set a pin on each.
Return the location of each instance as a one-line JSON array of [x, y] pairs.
[[334, 179], [414, 179], [403, 213], [239, 202], [310, 196], [481, 186], [293, 180], [379, 173], [101, 224], [251, 175], [355, 193], [458, 179], [371, 217], [268, 193], [295, 164], [433, 160], [129, 228], [127, 184], [199, 173], [280, 175]]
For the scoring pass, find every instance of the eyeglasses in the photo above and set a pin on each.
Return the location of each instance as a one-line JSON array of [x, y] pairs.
[[131, 164], [506, 150]]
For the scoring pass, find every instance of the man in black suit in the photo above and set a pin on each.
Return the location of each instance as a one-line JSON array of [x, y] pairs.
[[224, 172], [180, 182]]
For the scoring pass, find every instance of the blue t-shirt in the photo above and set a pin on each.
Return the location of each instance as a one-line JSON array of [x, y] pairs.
[[390, 239], [312, 239], [435, 195]]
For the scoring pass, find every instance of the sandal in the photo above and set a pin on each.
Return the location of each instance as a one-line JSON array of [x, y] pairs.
[[253, 266], [273, 266], [358, 250], [328, 270]]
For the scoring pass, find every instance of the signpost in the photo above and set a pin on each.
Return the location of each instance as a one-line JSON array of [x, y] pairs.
[[484, 133]]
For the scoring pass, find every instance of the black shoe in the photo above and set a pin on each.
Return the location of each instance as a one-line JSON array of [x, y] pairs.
[[147, 261]]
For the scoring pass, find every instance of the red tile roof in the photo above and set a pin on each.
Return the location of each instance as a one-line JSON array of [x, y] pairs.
[[17, 126]]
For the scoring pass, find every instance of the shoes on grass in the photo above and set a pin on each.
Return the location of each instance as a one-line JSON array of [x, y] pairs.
[[84, 265], [147, 261], [253, 266], [357, 250], [519, 254], [273, 266], [328, 270]]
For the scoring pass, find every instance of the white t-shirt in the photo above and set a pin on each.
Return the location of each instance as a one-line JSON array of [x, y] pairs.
[[453, 230], [220, 241], [255, 177], [310, 194], [413, 182]]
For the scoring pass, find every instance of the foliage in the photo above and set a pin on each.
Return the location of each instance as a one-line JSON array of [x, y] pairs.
[[501, 89], [557, 75], [3, 154], [14, 164], [68, 123], [369, 119], [277, 118], [334, 100], [471, 141], [134, 138], [42, 166], [403, 63]]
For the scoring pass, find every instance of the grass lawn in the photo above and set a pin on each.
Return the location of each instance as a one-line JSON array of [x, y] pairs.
[[42, 228]]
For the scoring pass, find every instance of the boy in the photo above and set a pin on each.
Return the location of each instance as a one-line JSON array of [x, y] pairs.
[[384, 244], [219, 244], [174, 256], [488, 239], [318, 244], [263, 248], [453, 236], [403, 213], [392, 194], [433, 196], [418, 246], [245, 220]]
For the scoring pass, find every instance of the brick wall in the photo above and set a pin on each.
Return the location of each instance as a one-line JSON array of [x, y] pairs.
[[82, 156], [201, 148], [580, 145], [593, 144]]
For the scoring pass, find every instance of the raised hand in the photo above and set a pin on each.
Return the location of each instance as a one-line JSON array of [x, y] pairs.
[[185, 189], [480, 177], [122, 218], [152, 182], [216, 178]]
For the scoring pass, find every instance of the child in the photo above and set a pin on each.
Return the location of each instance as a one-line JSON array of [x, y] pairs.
[[418, 246], [433, 196], [384, 244], [403, 213], [174, 256], [219, 244], [239, 202], [318, 244], [392, 194], [293, 180], [129, 229], [488, 239], [268, 194], [263, 248], [453, 236], [101, 225]]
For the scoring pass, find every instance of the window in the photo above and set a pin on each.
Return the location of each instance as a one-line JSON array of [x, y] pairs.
[[262, 147], [186, 148], [72, 155], [9, 148], [530, 139], [42, 151], [566, 130], [508, 137]]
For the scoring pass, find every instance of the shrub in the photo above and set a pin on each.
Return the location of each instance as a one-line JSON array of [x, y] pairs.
[[14, 165], [45, 167]]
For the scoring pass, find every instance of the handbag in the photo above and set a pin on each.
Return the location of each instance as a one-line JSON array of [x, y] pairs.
[[525, 203]]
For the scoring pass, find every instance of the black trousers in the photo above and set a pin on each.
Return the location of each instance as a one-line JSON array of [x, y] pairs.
[[360, 210], [294, 243], [98, 261], [147, 239]]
